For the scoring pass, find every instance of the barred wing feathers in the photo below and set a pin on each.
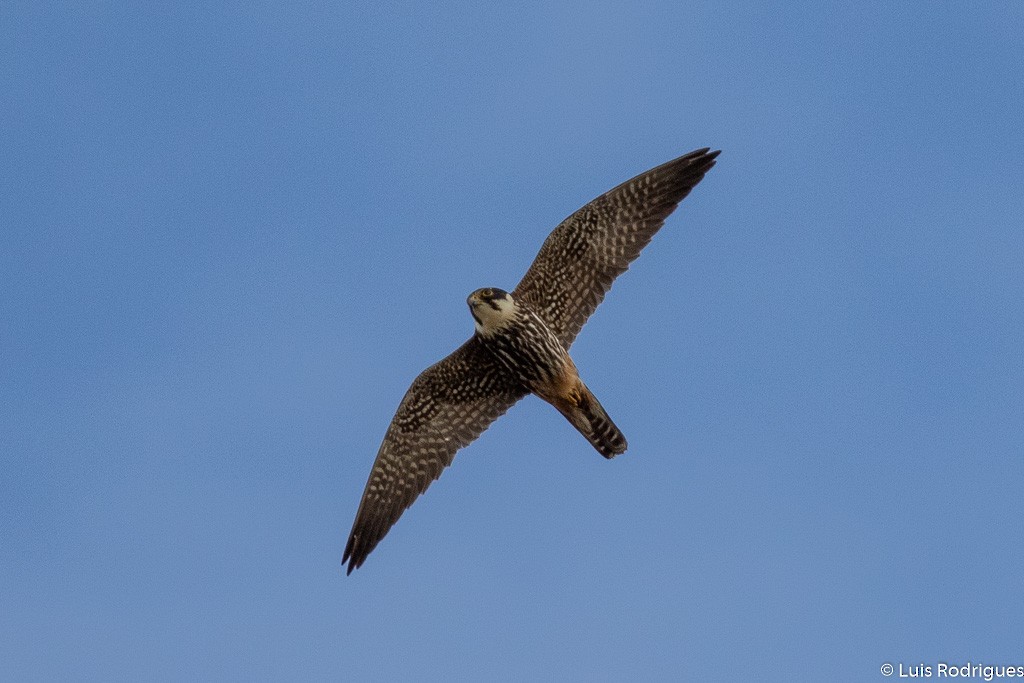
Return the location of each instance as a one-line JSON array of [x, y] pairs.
[[582, 256], [447, 407]]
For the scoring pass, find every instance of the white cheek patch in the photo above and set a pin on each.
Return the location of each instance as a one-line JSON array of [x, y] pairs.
[[495, 319]]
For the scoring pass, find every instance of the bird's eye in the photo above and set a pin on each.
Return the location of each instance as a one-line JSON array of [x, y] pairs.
[[487, 294]]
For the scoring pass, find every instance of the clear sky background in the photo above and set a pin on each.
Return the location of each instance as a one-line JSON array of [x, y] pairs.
[[234, 233]]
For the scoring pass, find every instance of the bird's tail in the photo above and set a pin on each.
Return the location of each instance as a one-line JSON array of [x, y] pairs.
[[586, 414]]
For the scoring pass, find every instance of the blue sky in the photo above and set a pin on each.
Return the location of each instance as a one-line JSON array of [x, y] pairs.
[[235, 233]]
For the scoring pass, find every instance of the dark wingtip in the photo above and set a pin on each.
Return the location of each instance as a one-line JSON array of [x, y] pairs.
[[704, 156], [356, 552], [689, 168], [349, 556], [700, 162], [353, 564]]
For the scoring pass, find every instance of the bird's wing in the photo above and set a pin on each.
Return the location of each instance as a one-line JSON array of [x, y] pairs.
[[582, 256], [447, 407]]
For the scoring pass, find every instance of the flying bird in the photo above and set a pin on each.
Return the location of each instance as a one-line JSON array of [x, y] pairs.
[[521, 346]]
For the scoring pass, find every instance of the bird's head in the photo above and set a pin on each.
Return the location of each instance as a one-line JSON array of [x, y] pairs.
[[492, 309]]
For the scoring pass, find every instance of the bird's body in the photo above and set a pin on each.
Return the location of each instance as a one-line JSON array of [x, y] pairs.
[[521, 346], [530, 352], [520, 340]]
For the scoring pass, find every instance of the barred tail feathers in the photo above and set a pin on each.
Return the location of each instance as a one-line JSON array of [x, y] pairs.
[[584, 412]]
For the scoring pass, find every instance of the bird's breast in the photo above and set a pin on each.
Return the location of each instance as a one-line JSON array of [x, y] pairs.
[[530, 351]]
